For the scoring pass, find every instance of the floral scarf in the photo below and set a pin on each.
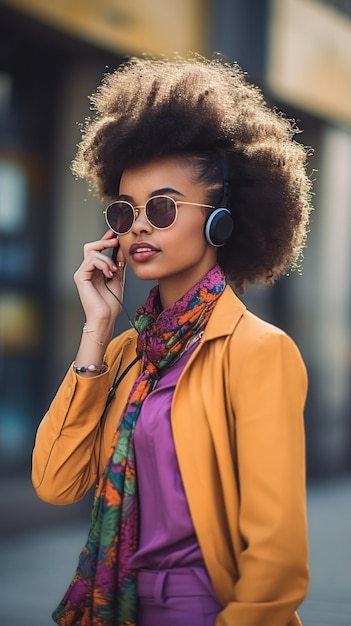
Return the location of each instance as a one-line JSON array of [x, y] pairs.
[[103, 591]]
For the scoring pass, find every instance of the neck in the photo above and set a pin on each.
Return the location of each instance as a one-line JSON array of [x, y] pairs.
[[173, 288]]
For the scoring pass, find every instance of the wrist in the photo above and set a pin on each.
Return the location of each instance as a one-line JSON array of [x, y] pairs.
[[97, 332], [91, 333], [91, 369]]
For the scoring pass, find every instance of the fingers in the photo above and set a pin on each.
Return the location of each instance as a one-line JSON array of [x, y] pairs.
[[96, 270], [108, 240], [93, 253], [119, 262], [119, 259], [95, 259]]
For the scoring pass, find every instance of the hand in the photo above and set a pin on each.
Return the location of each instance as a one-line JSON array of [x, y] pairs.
[[98, 303]]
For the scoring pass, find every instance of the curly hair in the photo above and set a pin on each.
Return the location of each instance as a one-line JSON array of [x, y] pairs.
[[152, 108]]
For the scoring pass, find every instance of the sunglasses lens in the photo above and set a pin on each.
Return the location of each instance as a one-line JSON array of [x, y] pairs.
[[161, 211], [120, 216]]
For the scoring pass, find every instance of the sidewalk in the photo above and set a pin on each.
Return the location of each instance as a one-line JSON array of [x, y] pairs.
[[37, 567]]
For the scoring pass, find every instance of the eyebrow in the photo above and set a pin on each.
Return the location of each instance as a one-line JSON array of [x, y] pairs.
[[157, 192]]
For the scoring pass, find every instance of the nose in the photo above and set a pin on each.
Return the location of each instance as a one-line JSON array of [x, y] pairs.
[[140, 224]]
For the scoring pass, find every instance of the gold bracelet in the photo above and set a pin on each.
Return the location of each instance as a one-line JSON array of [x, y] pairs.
[[93, 369], [92, 330]]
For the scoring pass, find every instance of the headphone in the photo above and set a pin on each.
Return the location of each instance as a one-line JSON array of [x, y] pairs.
[[219, 225]]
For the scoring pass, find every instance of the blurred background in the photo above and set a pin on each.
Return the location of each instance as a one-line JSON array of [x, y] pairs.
[[52, 57]]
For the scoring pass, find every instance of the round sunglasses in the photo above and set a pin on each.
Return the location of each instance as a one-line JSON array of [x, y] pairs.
[[160, 212]]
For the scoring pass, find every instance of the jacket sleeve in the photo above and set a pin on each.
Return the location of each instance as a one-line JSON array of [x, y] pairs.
[[71, 442], [65, 455], [268, 392]]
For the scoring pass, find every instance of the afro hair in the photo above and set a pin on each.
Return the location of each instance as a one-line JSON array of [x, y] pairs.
[[152, 108]]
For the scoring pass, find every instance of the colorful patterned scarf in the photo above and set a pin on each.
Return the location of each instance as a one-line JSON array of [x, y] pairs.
[[103, 591]]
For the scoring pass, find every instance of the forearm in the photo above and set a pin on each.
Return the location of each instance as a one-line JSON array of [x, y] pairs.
[[90, 359], [65, 456], [72, 444], [273, 565]]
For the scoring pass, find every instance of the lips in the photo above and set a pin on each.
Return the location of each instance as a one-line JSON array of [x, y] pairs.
[[141, 247]]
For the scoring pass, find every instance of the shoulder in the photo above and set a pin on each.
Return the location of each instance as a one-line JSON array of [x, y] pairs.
[[249, 336], [254, 337], [231, 317], [260, 352], [252, 328]]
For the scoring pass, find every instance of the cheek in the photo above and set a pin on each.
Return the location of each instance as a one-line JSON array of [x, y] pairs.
[[194, 237], [190, 230], [187, 248]]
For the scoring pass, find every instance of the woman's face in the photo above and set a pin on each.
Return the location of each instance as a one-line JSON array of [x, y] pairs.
[[177, 257]]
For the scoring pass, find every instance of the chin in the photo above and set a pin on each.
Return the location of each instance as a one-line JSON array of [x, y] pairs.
[[145, 273]]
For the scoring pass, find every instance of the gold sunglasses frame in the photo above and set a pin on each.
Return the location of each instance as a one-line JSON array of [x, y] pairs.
[[136, 212]]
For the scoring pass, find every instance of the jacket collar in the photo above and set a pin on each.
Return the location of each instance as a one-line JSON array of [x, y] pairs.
[[227, 313]]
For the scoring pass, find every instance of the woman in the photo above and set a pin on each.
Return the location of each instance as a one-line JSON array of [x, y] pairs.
[[200, 517]]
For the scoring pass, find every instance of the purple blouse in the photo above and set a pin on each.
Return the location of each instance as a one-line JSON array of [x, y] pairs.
[[167, 535]]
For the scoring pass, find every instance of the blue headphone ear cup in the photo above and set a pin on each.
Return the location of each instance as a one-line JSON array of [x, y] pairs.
[[219, 226]]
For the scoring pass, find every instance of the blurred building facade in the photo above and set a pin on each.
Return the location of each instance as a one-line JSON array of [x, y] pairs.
[[52, 56]]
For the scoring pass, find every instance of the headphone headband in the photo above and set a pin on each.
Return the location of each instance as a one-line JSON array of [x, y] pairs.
[[219, 225]]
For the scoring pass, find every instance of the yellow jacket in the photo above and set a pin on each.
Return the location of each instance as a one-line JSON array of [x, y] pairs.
[[237, 419]]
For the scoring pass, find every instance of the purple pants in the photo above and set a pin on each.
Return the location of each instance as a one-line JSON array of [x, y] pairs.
[[176, 597]]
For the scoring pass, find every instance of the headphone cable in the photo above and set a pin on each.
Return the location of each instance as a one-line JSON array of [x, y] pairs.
[[121, 303]]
